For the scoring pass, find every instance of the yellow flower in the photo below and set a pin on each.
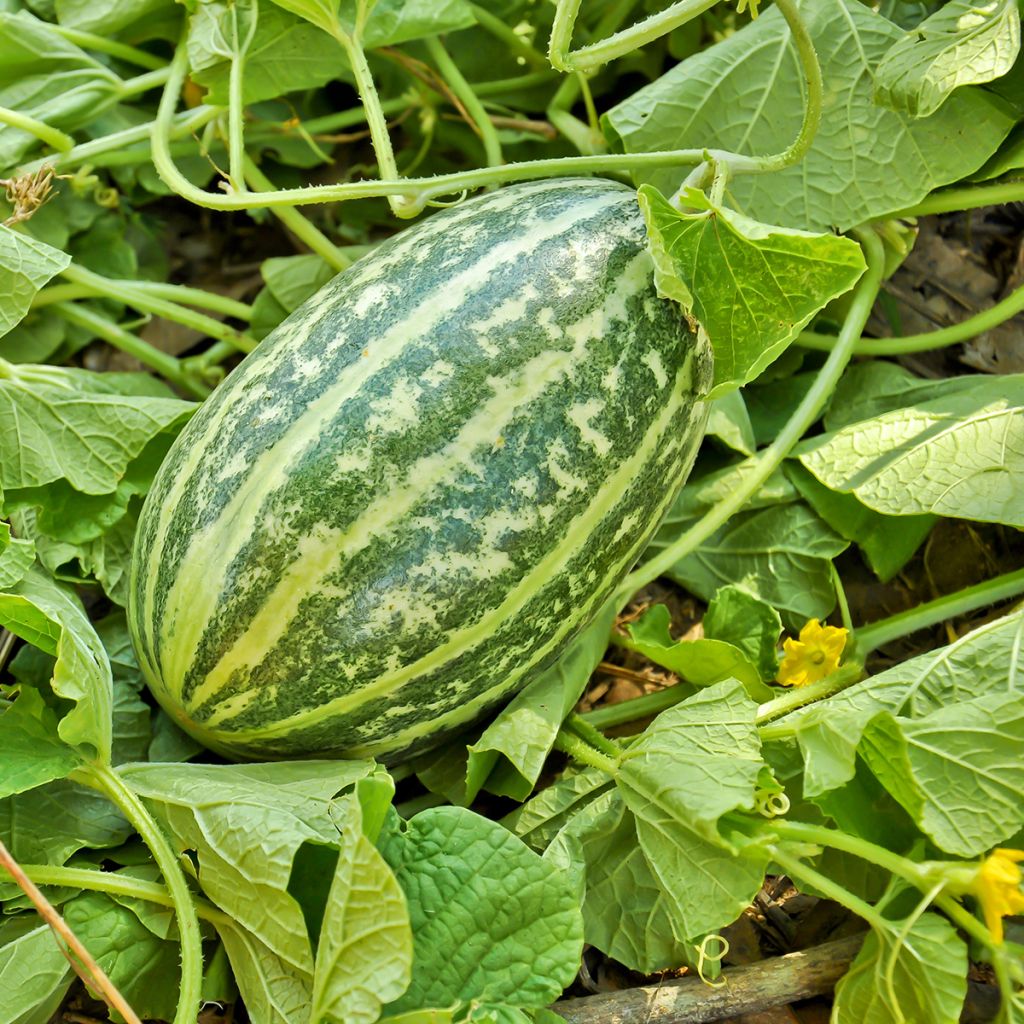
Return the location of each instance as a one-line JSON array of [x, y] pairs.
[[813, 656], [998, 888]]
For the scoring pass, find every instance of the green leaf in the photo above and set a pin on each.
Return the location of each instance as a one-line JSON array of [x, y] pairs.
[[34, 971], [875, 387], [50, 617], [982, 662], [32, 752], [16, 557], [730, 423], [44, 76], [25, 266], [523, 734], [960, 455], [745, 94], [541, 818], [400, 21], [290, 280], [61, 424], [887, 542], [959, 772], [917, 971], [626, 914], [144, 967], [962, 43], [246, 823], [781, 554], [364, 956], [112, 15], [274, 991], [695, 763], [706, 491], [737, 617], [492, 922], [700, 662], [49, 824], [751, 286]]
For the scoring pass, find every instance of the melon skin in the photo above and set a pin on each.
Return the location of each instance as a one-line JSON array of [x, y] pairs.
[[423, 484]]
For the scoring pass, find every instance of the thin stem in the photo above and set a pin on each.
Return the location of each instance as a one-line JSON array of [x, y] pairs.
[[236, 101], [301, 227], [815, 91], [589, 58], [91, 152], [172, 292], [801, 696], [458, 84], [375, 120], [147, 302], [108, 782], [639, 707], [501, 86], [844, 605], [805, 414], [999, 588], [952, 335], [424, 189], [143, 83], [515, 42], [122, 51], [583, 752], [53, 137], [164, 364], [797, 869], [970, 197], [588, 733], [117, 884], [86, 967]]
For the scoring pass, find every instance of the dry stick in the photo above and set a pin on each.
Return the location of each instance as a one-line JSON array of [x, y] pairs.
[[88, 970], [760, 986]]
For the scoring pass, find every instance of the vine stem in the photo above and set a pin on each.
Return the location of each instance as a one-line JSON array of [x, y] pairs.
[[756, 472], [587, 732], [999, 588], [53, 137], [589, 58], [148, 302], [497, 28], [953, 200], [177, 293], [86, 968], [797, 869], [578, 749], [454, 77], [116, 884], [420, 190], [800, 697], [966, 329], [91, 41], [114, 334], [106, 781], [301, 227]]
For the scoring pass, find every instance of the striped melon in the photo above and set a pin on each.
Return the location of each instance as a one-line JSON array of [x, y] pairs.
[[423, 484]]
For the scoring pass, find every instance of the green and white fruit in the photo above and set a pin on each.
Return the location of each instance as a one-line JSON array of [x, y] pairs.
[[424, 483]]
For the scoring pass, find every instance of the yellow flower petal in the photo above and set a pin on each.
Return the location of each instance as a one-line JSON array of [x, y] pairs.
[[998, 888], [813, 656]]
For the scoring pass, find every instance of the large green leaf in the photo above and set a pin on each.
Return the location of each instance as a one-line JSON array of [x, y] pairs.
[[35, 972], [987, 660], [364, 956], [246, 824], [962, 43], [25, 266], [781, 554], [959, 772], [50, 617], [751, 286], [916, 971], [960, 454], [745, 94], [492, 922], [32, 753], [626, 913]]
